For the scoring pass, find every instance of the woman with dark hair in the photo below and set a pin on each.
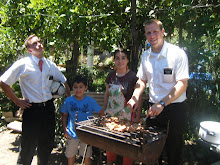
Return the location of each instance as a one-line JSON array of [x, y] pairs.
[[120, 85]]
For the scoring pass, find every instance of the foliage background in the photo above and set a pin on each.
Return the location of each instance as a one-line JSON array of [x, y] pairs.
[[69, 26]]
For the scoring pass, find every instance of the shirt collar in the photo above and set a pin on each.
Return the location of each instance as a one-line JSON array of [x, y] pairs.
[[163, 51], [37, 59]]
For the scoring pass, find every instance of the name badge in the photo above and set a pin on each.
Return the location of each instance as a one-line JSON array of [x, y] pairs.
[[168, 75]]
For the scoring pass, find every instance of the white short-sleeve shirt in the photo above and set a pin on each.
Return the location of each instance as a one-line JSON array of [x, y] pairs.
[[163, 71], [34, 84]]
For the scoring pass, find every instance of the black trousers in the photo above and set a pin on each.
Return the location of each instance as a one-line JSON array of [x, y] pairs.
[[176, 115], [38, 131]]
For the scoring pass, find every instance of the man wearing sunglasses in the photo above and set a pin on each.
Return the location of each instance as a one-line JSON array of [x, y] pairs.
[[35, 74]]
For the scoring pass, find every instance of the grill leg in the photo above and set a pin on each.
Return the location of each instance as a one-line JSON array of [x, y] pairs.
[[100, 156], [84, 154], [155, 163]]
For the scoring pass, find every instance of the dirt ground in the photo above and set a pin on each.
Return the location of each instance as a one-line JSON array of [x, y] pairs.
[[194, 154], [9, 149], [9, 142]]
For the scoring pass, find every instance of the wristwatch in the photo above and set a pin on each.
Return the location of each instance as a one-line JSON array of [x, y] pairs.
[[162, 103]]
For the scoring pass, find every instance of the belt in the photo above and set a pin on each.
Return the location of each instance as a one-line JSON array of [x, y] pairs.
[[43, 104], [169, 104]]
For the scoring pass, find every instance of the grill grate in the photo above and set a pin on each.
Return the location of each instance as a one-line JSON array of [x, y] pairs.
[[138, 138], [145, 146]]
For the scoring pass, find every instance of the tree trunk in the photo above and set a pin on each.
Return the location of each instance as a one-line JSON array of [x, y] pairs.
[[180, 28], [71, 65], [180, 33], [134, 46]]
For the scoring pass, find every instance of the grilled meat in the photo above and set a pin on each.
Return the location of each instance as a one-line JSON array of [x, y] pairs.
[[116, 124]]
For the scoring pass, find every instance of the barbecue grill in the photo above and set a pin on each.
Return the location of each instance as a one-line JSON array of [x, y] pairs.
[[145, 146]]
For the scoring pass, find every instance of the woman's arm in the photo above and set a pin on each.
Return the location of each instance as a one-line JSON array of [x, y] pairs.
[[106, 95], [68, 94], [139, 90], [139, 109]]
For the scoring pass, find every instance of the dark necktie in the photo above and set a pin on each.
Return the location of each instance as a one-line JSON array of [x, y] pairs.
[[40, 63]]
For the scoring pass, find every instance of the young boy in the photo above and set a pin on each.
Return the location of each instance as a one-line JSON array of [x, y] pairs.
[[84, 105]]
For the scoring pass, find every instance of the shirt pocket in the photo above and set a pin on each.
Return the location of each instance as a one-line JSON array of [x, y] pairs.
[[168, 75], [49, 80]]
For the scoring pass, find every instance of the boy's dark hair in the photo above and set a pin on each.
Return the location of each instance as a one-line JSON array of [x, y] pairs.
[[79, 79]]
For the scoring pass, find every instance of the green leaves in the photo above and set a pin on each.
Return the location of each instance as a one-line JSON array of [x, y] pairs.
[[192, 24]]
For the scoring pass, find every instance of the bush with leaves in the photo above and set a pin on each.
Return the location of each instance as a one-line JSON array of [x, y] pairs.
[[7, 104], [95, 77], [202, 104]]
